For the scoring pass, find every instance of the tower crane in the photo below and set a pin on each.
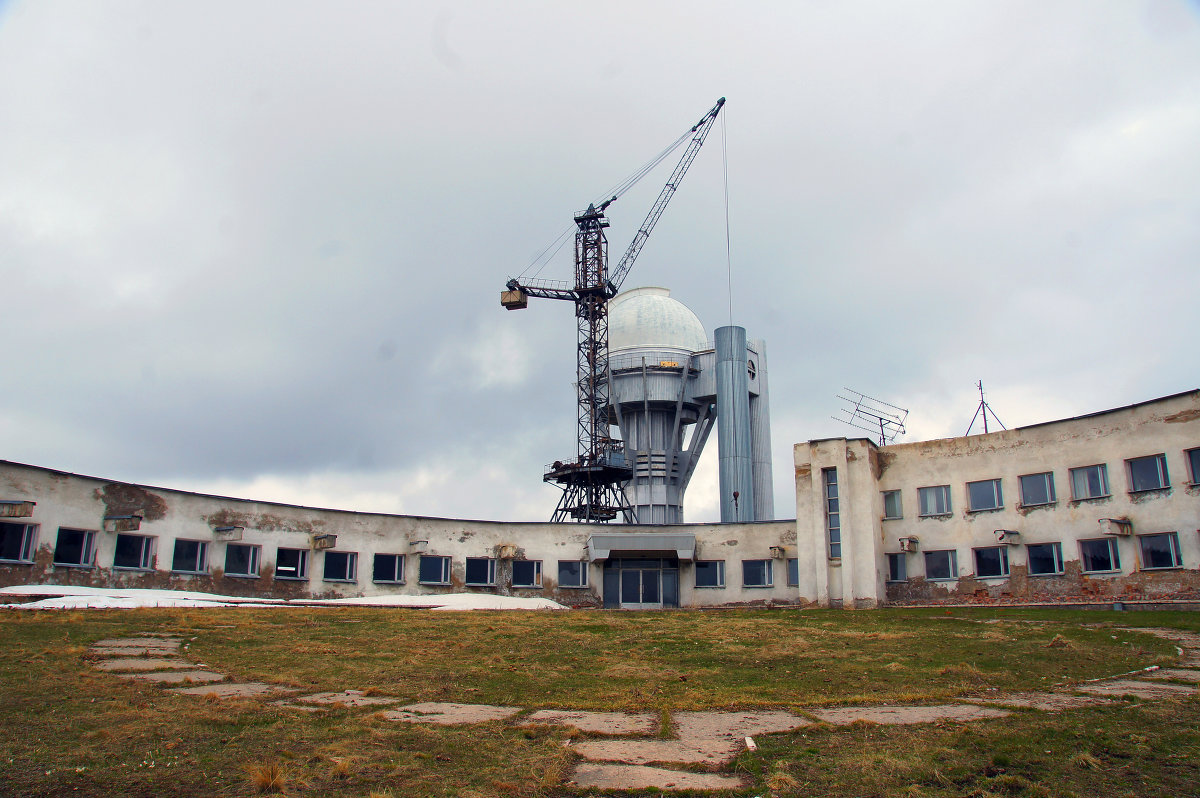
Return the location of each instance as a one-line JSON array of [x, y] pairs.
[[592, 482]]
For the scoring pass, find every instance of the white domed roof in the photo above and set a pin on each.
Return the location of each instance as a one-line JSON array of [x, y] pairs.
[[648, 318]]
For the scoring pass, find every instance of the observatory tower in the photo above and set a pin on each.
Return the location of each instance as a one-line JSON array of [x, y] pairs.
[[665, 395]]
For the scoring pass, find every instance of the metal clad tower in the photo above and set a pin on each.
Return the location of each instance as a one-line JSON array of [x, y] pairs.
[[653, 371], [760, 431], [734, 447]]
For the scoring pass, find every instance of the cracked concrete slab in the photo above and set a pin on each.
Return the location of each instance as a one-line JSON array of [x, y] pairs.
[[639, 777], [448, 714], [132, 651], [142, 664], [643, 752], [347, 698], [234, 690], [1138, 689], [908, 715], [599, 722], [1047, 702], [1178, 674], [735, 725], [138, 642], [176, 677]]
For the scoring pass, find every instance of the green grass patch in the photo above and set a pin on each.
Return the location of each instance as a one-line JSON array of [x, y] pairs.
[[72, 730]]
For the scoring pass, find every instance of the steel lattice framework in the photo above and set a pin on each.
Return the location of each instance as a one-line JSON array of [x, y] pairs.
[[592, 484]]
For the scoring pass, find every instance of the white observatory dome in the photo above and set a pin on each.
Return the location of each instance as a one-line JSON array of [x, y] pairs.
[[647, 318]]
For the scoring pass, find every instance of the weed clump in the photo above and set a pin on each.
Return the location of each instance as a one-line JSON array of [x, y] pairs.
[[267, 778]]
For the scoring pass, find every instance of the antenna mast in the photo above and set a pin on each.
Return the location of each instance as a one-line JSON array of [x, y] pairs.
[[874, 416], [982, 412]]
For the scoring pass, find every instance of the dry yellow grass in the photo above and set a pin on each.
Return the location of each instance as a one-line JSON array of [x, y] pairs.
[[267, 778]]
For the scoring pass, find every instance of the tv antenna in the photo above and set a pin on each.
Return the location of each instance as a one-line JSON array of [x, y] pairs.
[[863, 412], [982, 412]]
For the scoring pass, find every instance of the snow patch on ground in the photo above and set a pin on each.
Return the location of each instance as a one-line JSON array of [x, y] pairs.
[[70, 597]]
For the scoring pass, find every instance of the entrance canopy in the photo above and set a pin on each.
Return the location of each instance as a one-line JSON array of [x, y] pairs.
[[643, 544]]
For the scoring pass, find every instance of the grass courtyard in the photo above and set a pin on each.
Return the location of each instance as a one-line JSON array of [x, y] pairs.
[[70, 729]]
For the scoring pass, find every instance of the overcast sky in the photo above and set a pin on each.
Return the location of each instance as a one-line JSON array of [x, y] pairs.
[[256, 248]]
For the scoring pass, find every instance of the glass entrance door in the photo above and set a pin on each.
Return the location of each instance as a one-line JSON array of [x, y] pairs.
[[644, 583], [641, 589]]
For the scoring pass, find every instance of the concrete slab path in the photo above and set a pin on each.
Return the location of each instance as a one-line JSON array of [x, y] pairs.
[[711, 738]]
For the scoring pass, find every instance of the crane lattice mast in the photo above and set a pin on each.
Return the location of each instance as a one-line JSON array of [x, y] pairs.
[[593, 482]]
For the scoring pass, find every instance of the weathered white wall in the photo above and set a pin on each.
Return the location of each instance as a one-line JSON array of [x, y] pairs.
[[1169, 426], [67, 500]]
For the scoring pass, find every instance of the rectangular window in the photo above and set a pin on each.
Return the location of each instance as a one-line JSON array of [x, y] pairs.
[[710, 573], [793, 569], [941, 565], [833, 516], [1148, 473], [934, 500], [17, 541], [1193, 459], [433, 570], [1089, 482], [291, 564], [891, 505], [481, 571], [991, 561], [388, 568], [756, 573], [241, 560], [984, 495], [1160, 551], [1045, 559], [75, 547], [897, 568], [340, 566], [527, 573], [1037, 489], [135, 552], [190, 557], [572, 573], [1097, 556]]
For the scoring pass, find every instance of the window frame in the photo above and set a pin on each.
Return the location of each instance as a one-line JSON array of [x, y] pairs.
[[582, 565], [1055, 547], [943, 491], [397, 571], [536, 582], [301, 564], [894, 557], [27, 544], [899, 504], [350, 571], [87, 548], [768, 573], [145, 556], [490, 567], [254, 563], [718, 582], [1172, 546], [1114, 555], [200, 560], [1161, 472], [1192, 456], [1005, 566], [793, 571], [1047, 482], [833, 512], [996, 495], [444, 569], [1101, 471], [952, 557]]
